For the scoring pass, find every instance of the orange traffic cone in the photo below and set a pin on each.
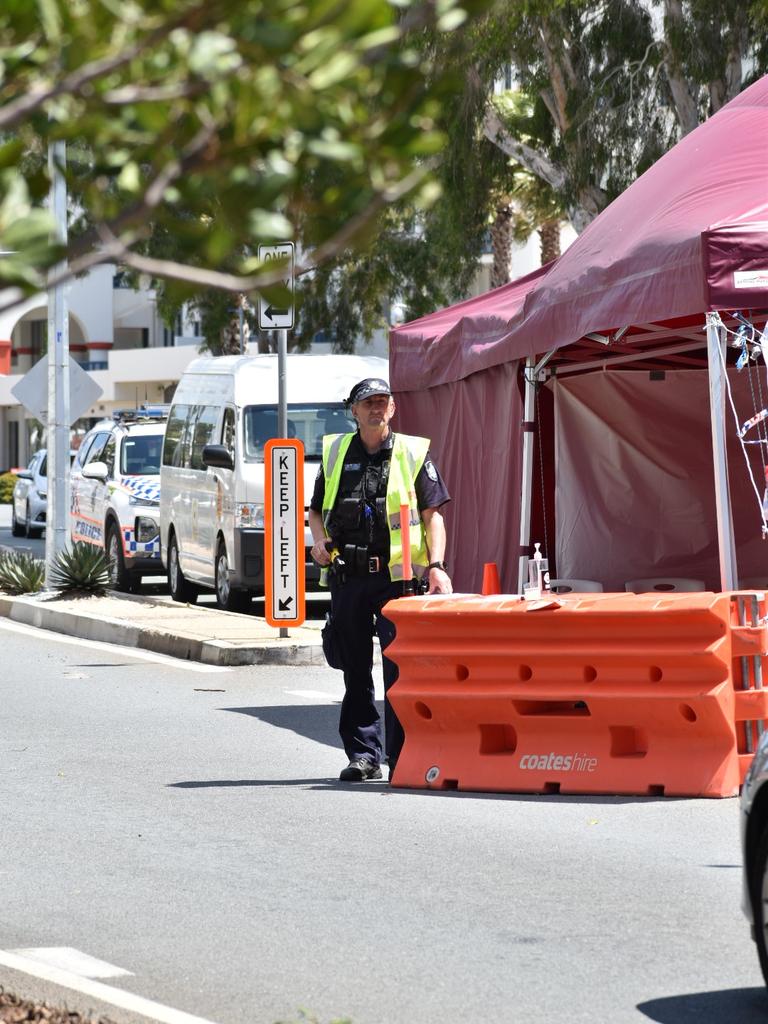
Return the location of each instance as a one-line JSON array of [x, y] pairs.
[[491, 584]]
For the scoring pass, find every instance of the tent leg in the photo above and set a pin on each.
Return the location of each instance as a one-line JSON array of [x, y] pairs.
[[725, 544], [529, 427]]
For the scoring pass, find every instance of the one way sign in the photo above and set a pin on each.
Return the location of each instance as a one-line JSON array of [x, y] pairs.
[[273, 316], [284, 532]]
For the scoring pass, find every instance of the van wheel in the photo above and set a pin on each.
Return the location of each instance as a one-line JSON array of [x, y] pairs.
[[181, 589], [120, 578], [228, 599], [17, 528]]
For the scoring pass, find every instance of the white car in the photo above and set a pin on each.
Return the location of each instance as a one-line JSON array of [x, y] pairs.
[[115, 493], [29, 504]]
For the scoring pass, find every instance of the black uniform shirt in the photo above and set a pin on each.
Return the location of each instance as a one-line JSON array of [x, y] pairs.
[[431, 492]]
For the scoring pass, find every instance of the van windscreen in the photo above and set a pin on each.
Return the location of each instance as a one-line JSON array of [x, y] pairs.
[[308, 423]]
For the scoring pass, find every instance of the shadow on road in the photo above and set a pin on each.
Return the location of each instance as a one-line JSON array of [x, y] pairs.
[[319, 784], [318, 722], [737, 1005]]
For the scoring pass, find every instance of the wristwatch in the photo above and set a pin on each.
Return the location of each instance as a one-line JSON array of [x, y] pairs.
[[437, 565]]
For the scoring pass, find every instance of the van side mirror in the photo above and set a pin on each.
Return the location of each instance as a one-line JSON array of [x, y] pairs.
[[24, 474], [96, 471], [218, 456]]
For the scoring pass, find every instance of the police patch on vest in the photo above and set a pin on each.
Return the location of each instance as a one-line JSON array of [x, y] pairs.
[[352, 467], [430, 471]]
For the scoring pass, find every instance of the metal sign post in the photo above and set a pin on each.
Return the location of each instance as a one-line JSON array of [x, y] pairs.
[[58, 379], [284, 603], [284, 477]]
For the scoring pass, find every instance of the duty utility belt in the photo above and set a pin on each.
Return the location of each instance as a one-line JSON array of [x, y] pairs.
[[357, 561]]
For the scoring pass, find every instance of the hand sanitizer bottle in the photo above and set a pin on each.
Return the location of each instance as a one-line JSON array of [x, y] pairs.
[[538, 571]]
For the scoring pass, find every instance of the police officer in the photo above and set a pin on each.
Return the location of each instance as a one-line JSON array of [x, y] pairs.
[[355, 512]]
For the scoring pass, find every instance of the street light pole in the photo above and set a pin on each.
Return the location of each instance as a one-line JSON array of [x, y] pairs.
[[56, 531]]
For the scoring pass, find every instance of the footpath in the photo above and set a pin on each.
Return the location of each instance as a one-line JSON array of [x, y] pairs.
[[179, 630]]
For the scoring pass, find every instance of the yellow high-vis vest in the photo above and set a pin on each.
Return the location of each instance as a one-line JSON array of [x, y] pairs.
[[408, 454]]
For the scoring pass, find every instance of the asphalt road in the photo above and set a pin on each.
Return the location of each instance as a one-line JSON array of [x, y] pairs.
[[187, 827]]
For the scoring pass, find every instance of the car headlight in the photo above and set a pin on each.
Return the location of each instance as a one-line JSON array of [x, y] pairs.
[[146, 529], [137, 499], [249, 515]]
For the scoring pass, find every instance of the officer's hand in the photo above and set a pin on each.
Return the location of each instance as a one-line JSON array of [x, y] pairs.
[[320, 553], [439, 582]]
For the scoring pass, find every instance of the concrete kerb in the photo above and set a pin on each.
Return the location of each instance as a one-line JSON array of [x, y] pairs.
[[90, 619]]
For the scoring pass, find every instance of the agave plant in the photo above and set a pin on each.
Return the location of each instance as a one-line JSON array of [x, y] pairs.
[[82, 568], [20, 573]]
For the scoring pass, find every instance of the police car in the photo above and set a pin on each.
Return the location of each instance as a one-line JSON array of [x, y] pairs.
[[115, 493]]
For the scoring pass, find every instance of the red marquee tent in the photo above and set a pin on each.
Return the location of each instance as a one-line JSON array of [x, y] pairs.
[[688, 237]]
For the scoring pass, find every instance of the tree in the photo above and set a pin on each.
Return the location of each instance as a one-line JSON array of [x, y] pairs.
[[204, 120], [615, 82]]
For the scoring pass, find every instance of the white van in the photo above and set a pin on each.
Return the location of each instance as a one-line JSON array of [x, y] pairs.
[[212, 473]]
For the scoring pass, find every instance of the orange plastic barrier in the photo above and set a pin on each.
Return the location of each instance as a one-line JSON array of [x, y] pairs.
[[598, 693]]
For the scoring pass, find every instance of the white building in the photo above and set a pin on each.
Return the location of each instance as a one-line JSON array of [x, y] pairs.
[[114, 333]]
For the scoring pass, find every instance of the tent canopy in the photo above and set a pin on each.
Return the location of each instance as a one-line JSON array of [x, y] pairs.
[[690, 235]]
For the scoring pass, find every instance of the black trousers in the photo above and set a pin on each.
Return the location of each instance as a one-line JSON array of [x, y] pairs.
[[356, 608]]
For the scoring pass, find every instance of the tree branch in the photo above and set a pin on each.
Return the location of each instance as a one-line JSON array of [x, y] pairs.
[[532, 159], [117, 250], [561, 76], [17, 110]]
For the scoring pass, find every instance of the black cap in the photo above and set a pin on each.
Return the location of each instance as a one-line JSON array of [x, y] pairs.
[[366, 388]]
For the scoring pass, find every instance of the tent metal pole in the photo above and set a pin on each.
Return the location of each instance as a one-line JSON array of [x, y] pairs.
[[529, 428], [728, 576]]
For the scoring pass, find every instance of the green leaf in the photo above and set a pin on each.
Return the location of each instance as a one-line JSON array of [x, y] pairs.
[[51, 19], [268, 226]]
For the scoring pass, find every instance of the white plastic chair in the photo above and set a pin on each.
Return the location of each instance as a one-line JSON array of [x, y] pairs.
[[664, 585], [575, 586]]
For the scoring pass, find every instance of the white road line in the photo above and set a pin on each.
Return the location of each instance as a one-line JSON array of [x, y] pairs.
[[73, 960], [99, 645], [98, 990], [332, 698]]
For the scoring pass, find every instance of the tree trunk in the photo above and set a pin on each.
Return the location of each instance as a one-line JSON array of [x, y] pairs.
[[501, 241], [683, 94], [549, 234]]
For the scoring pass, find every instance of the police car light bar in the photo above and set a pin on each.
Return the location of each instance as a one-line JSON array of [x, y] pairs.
[[144, 412]]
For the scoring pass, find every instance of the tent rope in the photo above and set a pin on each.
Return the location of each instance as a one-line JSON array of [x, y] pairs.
[[740, 430]]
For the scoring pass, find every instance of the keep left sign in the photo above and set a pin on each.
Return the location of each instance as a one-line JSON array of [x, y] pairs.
[[284, 532]]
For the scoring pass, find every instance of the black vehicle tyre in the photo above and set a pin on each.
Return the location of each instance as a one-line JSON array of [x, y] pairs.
[[759, 896], [17, 528], [181, 589], [228, 599], [120, 578], [29, 528]]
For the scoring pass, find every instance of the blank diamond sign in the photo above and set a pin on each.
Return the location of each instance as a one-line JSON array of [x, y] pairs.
[[32, 390]]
